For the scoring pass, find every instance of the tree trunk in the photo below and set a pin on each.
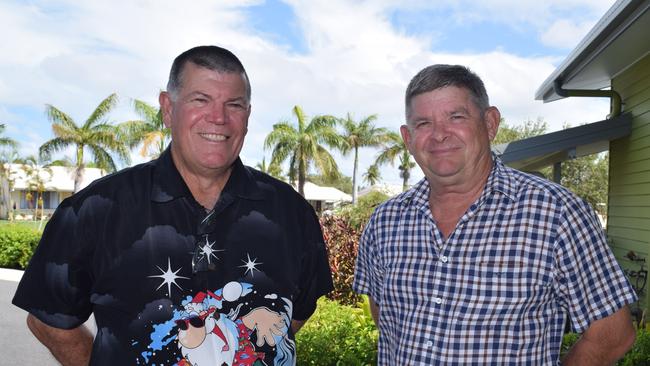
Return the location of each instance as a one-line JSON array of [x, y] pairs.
[[354, 175], [78, 175], [301, 177], [5, 197]]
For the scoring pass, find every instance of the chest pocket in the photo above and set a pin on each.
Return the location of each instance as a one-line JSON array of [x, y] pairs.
[[503, 286]]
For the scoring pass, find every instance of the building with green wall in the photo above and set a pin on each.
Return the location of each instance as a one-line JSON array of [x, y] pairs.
[[614, 60]]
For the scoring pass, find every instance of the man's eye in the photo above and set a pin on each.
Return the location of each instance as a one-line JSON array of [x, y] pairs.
[[236, 105]]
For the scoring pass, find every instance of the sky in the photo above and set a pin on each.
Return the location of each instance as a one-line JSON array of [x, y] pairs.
[[328, 56]]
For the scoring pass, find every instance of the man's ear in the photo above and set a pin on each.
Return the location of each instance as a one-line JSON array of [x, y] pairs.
[[248, 114], [406, 134], [492, 120], [165, 108]]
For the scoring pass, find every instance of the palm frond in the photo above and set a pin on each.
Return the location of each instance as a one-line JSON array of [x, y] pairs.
[[56, 144], [104, 107], [58, 117]]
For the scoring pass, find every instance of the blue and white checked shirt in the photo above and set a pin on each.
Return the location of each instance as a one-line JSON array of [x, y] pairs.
[[525, 255]]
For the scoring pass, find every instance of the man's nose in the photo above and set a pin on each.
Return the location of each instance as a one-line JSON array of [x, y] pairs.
[[216, 114], [440, 130]]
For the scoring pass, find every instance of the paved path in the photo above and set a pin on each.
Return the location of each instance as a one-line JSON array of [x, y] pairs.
[[17, 344]]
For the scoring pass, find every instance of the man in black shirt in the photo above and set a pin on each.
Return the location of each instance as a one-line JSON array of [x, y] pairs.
[[190, 259]]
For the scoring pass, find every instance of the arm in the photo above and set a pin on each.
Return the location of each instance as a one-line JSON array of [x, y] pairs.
[[69, 347], [605, 341]]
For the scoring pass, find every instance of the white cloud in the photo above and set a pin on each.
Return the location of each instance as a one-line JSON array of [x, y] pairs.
[[565, 33], [74, 54]]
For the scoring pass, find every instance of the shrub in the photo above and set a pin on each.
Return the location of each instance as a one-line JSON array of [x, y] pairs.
[[639, 355], [342, 232], [568, 340], [337, 335], [342, 245], [17, 244], [358, 215]]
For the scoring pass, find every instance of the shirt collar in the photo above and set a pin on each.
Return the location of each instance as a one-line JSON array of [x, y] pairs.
[[242, 183], [500, 180], [168, 184]]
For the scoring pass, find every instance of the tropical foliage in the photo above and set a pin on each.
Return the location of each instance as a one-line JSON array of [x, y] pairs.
[[342, 242], [396, 149], [270, 169], [17, 244], [586, 176], [96, 134], [337, 335], [357, 135], [150, 131], [7, 155], [358, 215], [304, 145], [372, 176], [6, 141], [38, 173], [341, 182], [528, 129]]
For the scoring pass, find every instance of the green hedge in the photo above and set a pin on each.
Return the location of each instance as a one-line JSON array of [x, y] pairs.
[[337, 335], [344, 335], [17, 244]]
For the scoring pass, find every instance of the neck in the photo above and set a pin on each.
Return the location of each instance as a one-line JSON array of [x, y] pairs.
[[449, 202], [206, 190], [205, 185]]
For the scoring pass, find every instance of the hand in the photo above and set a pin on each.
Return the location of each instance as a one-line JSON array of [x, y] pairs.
[[266, 323]]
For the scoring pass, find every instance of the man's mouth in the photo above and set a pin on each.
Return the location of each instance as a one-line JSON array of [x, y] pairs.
[[215, 137]]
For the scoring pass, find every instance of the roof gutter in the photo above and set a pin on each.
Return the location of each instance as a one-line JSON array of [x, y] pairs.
[[614, 97]]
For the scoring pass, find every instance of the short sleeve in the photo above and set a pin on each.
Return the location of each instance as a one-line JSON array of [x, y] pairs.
[[591, 283], [316, 276], [367, 274], [56, 284]]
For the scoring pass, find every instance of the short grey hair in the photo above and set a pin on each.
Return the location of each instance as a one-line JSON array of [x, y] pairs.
[[439, 76], [212, 58]]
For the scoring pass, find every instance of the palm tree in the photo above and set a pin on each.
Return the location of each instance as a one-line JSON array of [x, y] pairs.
[[270, 169], [150, 131], [6, 141], [357, 135], [397, 148], [96, 134], [6, 182], [303, 145], [38, 173], [372, 175]]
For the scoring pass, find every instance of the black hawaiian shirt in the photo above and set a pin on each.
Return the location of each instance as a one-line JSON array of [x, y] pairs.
[[171, 284]]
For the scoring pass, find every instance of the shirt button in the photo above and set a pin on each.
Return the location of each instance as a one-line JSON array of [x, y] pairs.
[[429, 344], [444, 259], [437, 300]]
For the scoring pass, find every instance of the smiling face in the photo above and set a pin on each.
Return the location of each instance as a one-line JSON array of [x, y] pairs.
[[449, 137], [208, 118]]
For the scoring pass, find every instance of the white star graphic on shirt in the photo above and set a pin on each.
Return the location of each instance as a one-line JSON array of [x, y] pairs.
[[169, 277], [208, 251], [250, 265]]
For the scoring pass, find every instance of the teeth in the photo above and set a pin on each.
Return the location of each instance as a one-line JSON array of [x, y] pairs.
[[214, 137]]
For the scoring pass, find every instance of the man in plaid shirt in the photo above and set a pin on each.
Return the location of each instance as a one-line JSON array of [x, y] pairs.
[[481, 264]]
